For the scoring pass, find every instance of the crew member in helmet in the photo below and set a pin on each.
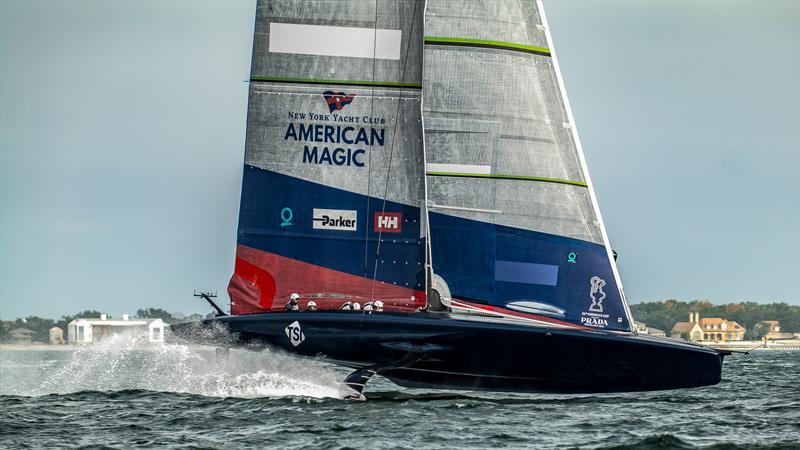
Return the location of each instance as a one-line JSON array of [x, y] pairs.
[[311, 306], [293, 304], [377, 305]]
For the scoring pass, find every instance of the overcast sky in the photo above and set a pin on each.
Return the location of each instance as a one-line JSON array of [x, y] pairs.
[[122, 130]]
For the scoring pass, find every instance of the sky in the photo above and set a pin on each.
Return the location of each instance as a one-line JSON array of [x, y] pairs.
[[122, 129]]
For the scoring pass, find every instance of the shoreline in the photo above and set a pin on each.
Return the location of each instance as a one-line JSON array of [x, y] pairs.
[[793, 344]]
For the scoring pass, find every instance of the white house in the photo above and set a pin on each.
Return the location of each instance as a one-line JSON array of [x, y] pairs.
[[88, 330]]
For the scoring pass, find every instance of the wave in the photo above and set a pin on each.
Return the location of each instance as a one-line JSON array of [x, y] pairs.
[[122, 363], [671, 441]]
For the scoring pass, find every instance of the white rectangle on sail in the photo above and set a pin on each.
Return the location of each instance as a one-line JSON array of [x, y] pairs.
[[459, 168], [326, 40]]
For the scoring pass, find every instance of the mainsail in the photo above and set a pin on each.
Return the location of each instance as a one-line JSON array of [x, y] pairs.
[[333, 177], [514, 225], [341, 200]]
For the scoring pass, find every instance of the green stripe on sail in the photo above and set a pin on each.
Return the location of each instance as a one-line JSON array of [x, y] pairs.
[[337, 82], [506, 177], [486, 43]]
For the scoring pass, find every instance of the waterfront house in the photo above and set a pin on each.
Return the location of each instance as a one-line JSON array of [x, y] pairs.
[[691, 330], [710, 329], [56, 336], [716, 329], [88, 330], [21, 336], [771, 330], [642, 328]]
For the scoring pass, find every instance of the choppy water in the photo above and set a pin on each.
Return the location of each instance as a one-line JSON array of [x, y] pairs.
[[119, 395]]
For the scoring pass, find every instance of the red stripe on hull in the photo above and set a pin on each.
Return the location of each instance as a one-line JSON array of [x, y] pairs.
[[509, 312], [264, 281]]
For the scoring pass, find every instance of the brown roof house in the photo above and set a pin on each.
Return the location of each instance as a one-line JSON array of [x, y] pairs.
[[691, 330], [771, 330], [721, 330]]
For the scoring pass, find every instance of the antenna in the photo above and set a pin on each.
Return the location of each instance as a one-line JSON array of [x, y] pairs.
[[207, 296]]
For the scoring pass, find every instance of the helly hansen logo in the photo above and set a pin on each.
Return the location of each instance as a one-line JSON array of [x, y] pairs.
[[335, 219], [388, 222], [337, 100]]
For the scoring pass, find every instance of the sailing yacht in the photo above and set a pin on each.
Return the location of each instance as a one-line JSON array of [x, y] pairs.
[[412, 169]]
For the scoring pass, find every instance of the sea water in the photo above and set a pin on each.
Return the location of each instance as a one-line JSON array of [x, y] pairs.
[[122, 394]]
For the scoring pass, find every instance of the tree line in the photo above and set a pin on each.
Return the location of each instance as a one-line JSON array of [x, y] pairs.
[[664, 314]]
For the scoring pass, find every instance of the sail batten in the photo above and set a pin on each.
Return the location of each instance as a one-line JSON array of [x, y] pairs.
[[484, 43]]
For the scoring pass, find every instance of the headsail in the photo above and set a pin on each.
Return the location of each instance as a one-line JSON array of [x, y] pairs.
[[333, 177], [514, 225]]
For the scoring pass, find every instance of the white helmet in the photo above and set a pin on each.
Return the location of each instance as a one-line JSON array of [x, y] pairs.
[[295, 297], [312, 306], [378, 305], [356, 306]]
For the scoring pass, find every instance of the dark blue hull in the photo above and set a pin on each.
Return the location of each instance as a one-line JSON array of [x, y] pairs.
[[473, 354]]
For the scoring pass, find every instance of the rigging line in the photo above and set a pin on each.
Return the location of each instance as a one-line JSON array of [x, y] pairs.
[[369, 157], [391, 148]]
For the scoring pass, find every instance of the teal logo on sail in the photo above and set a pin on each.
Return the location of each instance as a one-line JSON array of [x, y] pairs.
[[286, 217]]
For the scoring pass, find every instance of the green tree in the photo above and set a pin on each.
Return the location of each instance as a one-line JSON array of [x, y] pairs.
[[65, 320], [39, 326], [4, 330], [665, 314], [155, 313]]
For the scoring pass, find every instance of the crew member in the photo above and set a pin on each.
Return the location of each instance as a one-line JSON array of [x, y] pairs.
[[293, 305], [377, 305], [311, 306]]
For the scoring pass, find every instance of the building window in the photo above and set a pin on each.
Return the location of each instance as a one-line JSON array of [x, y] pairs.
[[80, 333]]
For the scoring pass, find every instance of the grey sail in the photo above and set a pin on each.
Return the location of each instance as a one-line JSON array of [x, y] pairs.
[[333, 172], [513, 220]]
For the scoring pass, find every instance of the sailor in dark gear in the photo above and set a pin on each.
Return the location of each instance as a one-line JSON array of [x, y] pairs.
[[293, 305]]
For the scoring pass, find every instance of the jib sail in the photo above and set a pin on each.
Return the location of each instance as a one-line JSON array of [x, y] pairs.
[[333, 173], [514, 225]]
